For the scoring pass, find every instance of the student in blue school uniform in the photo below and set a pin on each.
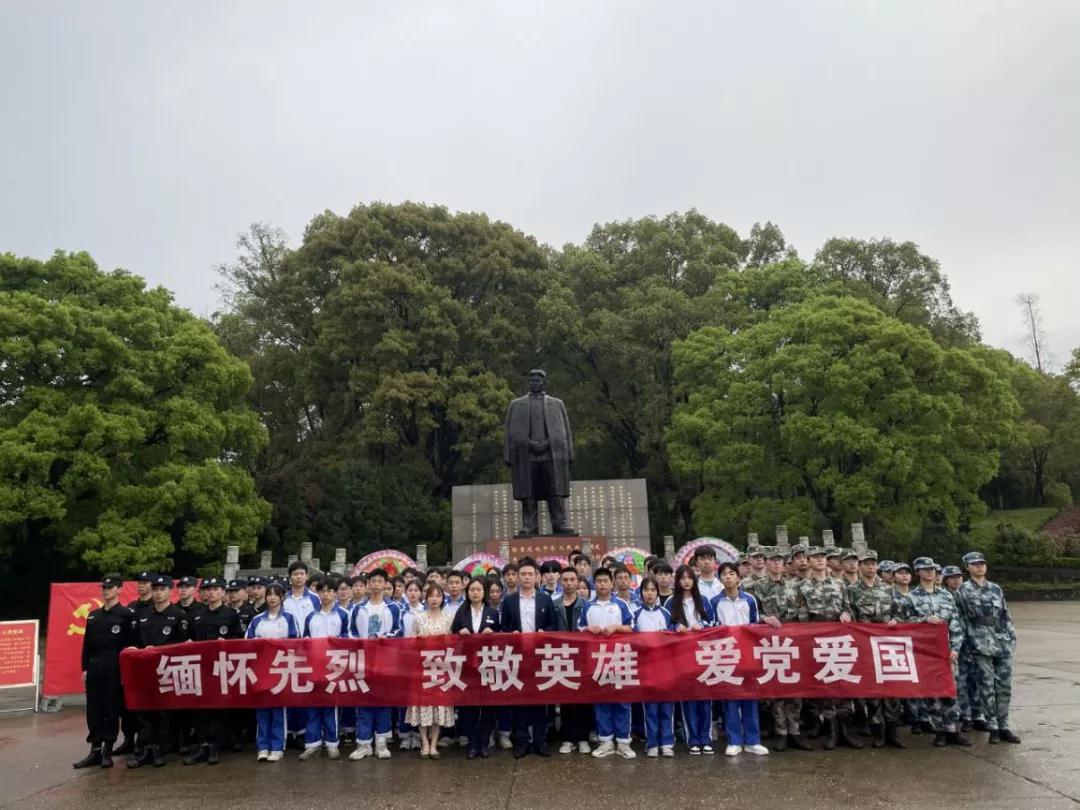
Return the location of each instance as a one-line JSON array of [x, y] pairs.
[[377, 618], [651, 617], [329, 621], [606, 615], [273, 622], [413, 607], [734, 607], [691, 612]]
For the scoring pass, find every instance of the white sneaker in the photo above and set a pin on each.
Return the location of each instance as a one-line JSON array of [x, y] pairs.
[[667, 750], [733, 750], [332, 752], [308, 752], [463, 742], [708, 749], [759, 749], [381, 751], [406, 742], [444, 742], [504, 741], [695, 749], [276, 756], [652, 752], [362, 750], [262, 756], [625, 751], [566, 748], [584, 748], [605, 749]]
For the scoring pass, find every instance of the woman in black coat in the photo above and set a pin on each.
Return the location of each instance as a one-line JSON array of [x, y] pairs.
[[474, 616]]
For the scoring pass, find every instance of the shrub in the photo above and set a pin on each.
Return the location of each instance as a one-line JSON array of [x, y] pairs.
[[1013, 546], [1058, 495]]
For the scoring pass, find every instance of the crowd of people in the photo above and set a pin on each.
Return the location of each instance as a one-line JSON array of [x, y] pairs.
[[772, 585]]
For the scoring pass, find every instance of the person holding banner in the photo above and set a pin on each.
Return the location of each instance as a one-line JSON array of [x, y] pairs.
[[274, 622], [164, 625], [575, 719], [329, 621], [690, 612], [434, 621], [651, 617], [529, 611], [109, 629], [377, 618], [472, 617], [607, 615]]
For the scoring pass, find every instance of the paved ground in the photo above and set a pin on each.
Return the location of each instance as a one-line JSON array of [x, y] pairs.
[[1041, 774]]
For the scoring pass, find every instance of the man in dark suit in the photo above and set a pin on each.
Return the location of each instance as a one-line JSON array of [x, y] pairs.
[[529, 610]]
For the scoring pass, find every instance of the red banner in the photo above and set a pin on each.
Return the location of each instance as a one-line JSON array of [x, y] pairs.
[[18, 653], [820, 660], [69, 605]]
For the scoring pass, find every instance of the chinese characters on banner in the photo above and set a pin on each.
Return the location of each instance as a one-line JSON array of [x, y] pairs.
[[806, 660], [18, 653]]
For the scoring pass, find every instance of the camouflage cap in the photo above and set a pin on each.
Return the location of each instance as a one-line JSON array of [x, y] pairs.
[[815, 551], [951, 571], [901, 566], [744, 558], [886, 567], [798, 548], [925, 562], [869, 554], [831, 551], [772, 552], [849, 554], [755, 551], [973, 557]]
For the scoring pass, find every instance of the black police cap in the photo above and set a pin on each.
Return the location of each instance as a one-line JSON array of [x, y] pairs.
[[235, 585], [213, 582], [189, 582], [162, 581], [111, 581], [145, 576]]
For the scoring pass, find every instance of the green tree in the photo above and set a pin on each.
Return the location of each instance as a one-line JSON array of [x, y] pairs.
[[830, 411], [901, 281], [125, 437], [385, 349]]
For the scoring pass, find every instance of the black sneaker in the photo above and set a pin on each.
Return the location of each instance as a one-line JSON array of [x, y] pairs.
[[1008, 736]]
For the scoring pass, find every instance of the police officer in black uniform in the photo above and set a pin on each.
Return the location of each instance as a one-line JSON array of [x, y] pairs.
[[165, 625], [185, 720], [129, 722], [216, 621], [109, 629], [245, 609]]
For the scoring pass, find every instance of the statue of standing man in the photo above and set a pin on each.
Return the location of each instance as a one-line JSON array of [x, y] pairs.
[[538, 450]]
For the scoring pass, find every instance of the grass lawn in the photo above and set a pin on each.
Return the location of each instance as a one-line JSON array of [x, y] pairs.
[[1030, 519]]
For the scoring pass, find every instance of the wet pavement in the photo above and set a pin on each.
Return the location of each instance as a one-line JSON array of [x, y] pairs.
[[36, 752]]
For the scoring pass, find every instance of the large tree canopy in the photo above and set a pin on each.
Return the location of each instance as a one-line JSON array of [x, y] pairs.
[[829, 411], [124, 428], [385, 349]]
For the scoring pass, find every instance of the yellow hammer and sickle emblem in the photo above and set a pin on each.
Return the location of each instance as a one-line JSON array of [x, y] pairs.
[[81, 612]]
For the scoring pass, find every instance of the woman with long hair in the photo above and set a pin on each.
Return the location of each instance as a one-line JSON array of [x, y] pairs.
[[434, 621], [691, 612], [475, 617]]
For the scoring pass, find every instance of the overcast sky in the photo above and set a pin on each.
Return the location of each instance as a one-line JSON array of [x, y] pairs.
[[150, 134]]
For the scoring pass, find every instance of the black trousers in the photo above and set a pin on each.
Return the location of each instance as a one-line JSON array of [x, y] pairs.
[[155, 728], [576, 722], [104, 700], [478, 721], [530, 726], [213, 726]]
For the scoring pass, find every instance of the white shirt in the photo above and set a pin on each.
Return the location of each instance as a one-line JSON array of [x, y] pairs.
[[528, 613], [272, 625], [332, 623], [612, 613], [732, 612], [300, 606], [477, 619], [709, 588]]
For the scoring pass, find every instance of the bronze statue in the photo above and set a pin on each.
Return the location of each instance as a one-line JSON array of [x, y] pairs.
[[538, 450]]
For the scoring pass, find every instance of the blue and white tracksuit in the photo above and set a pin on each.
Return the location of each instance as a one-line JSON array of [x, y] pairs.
[[322, 721], [346, 714], [371, 620], [659, 716], [300, 607], [696, 714], [612, 719], [740, 716], [270, 723]]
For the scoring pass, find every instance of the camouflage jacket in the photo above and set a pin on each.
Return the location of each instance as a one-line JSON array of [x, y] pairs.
[[871, 603], [822, 600], [986, 619], [920, 605], [779, 599]]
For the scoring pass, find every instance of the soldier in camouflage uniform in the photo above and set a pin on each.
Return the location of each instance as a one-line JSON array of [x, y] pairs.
[[901, 587], [928, 603], [871, 601], [823, 599], [832, 559], [952, 578], [885, 569], [993, 639], [798, 562], [778, 603]]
